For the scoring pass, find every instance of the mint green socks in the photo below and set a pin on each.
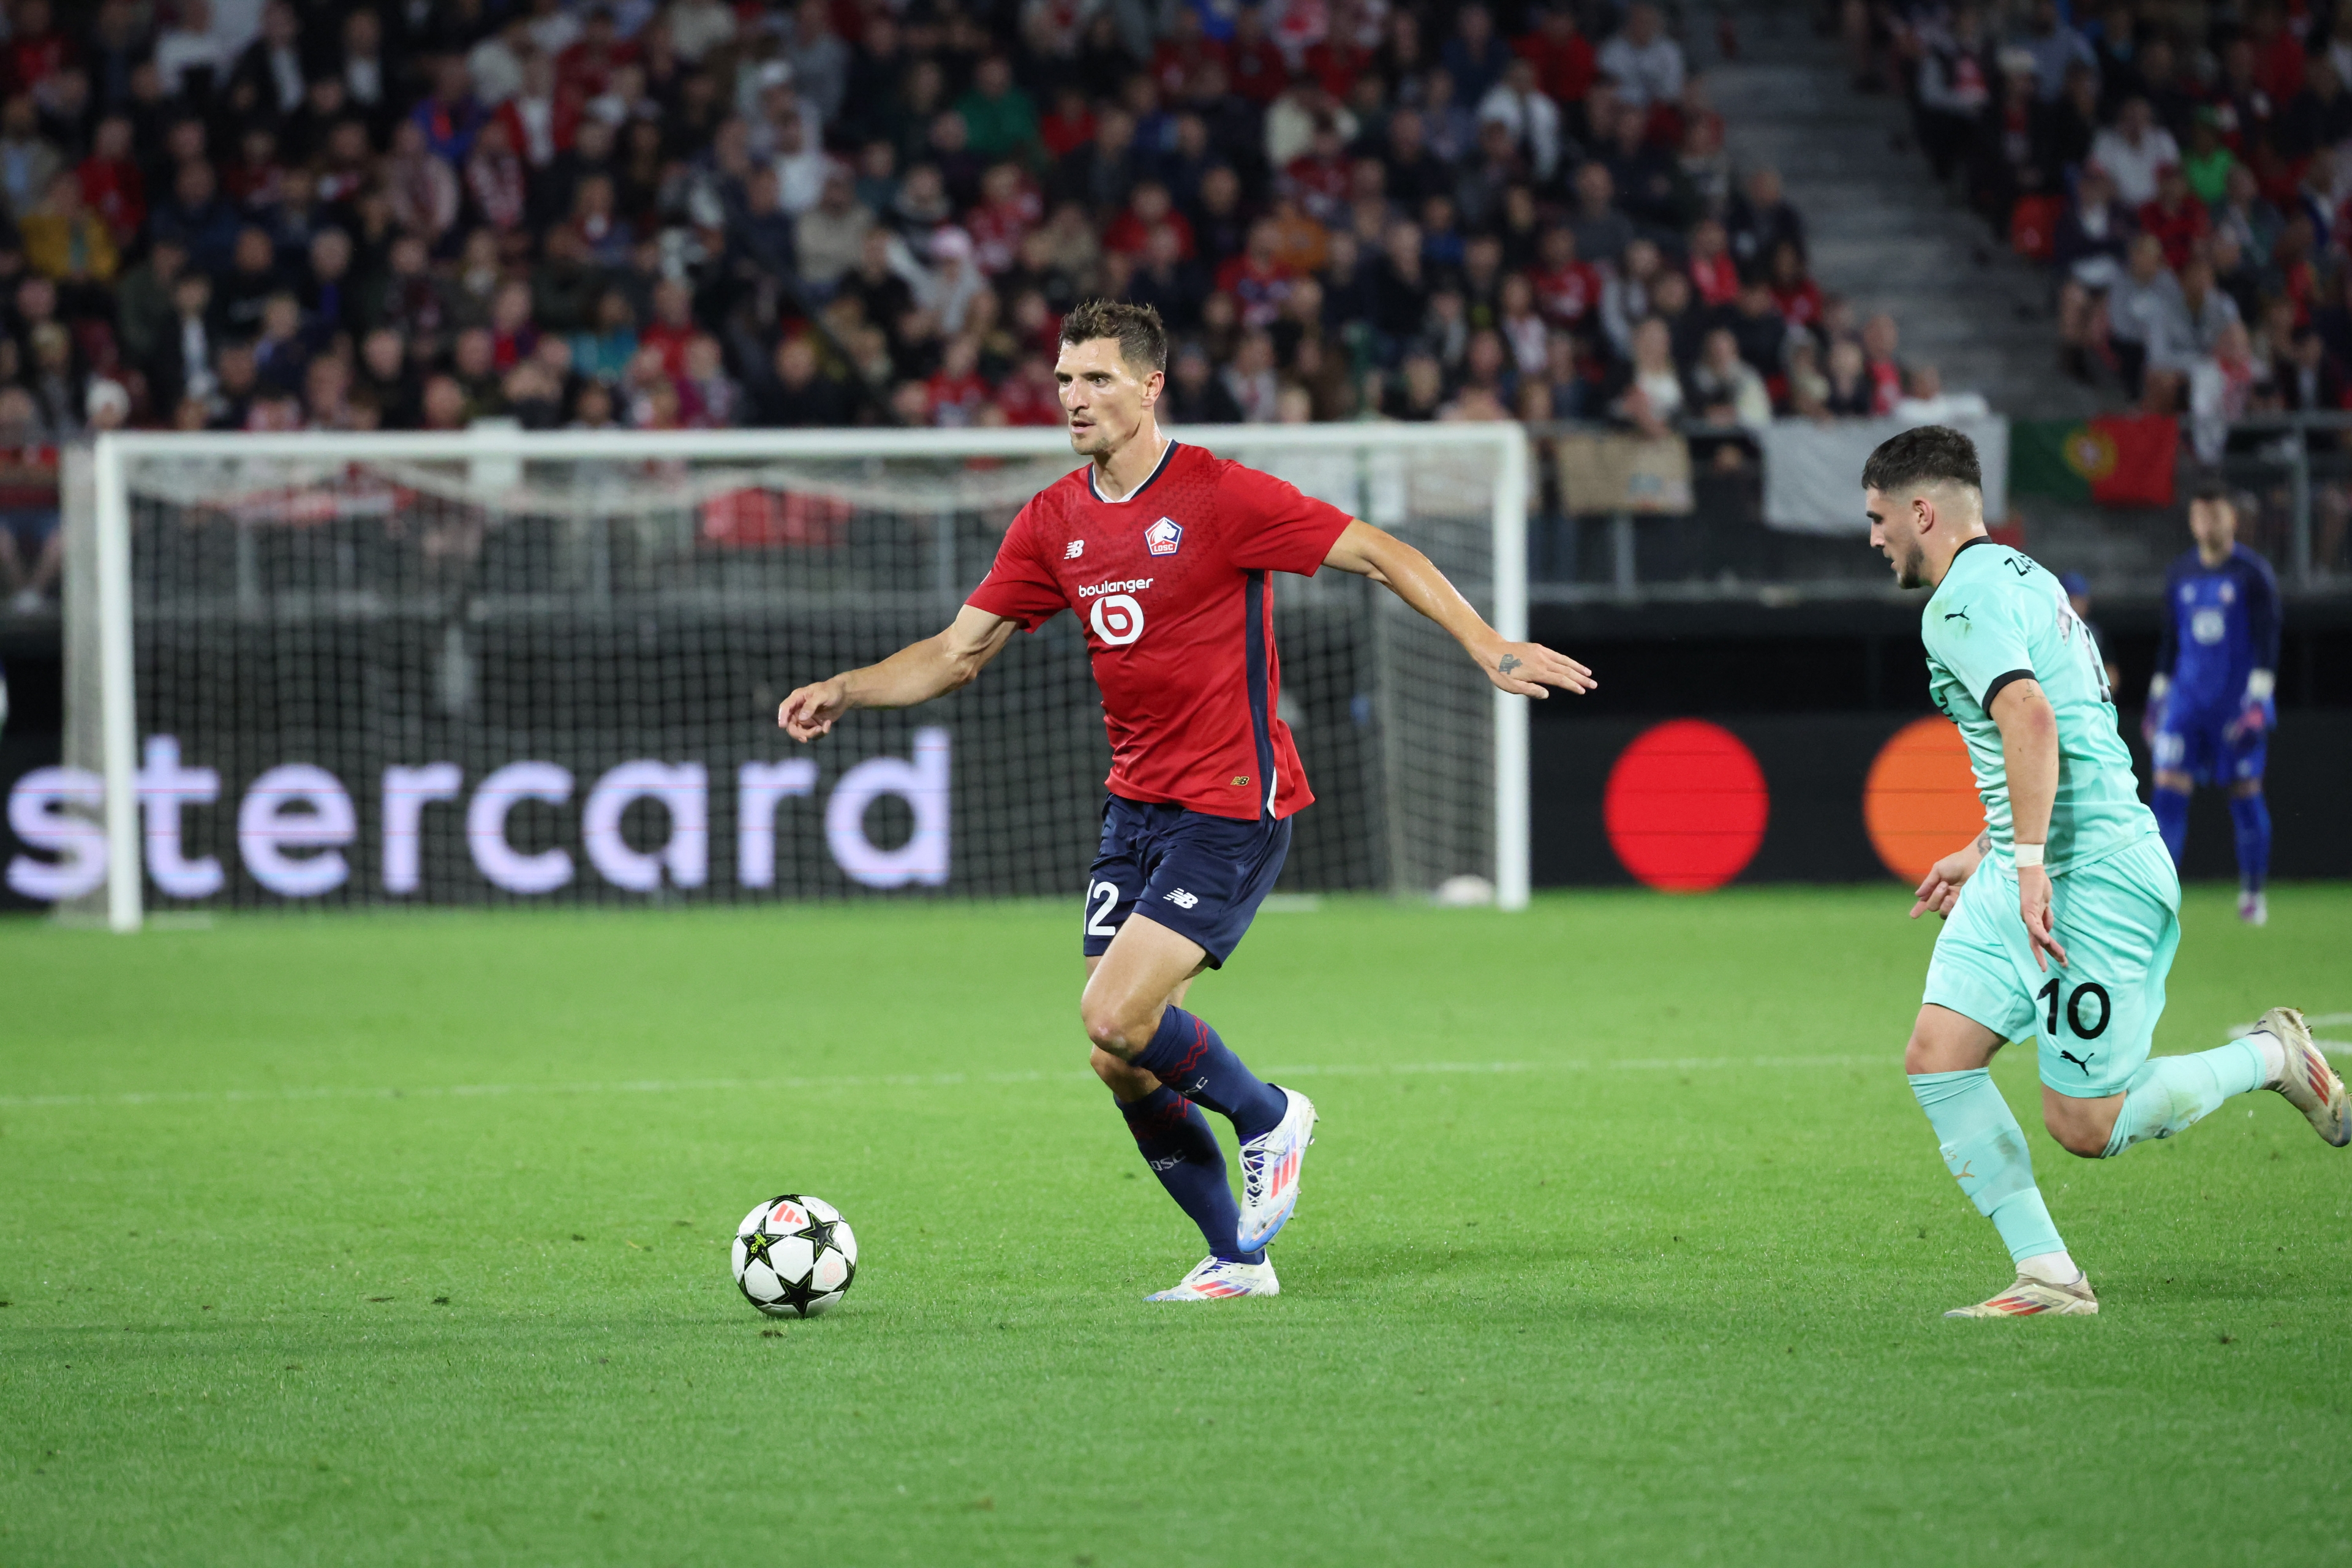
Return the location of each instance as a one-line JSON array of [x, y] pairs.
[[2170, 1093], [1984, 1148]]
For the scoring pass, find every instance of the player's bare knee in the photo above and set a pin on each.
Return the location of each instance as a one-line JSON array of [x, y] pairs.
[[2079, 1139], [1115, 1029], [1916, 1056], [2246, 789], [2078, 1128]]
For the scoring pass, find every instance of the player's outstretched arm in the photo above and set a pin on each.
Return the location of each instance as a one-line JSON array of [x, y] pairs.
[[916, 673], [2029, 752], [1523, 668]]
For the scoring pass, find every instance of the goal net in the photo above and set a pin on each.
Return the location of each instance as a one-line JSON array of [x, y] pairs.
[[499, 668]]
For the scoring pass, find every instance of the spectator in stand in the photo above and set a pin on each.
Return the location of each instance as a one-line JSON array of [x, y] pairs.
[[1850, 393], [1925, 400], [2138, 304], [2208, 161], [1475, 56], [2133, 152], [1880, 339], [1603, 231], [1649, 394], [1953, 87], [1169, 281], [1196, 395], [1726, 387], [2188, 326], [1761, 220], [1562, 56], [1712, 271], [2056, 48], [1646, 64], [687, 217], [31, 547], [1518, 105], [2176, 217], [1000, 119], [2223, 385]]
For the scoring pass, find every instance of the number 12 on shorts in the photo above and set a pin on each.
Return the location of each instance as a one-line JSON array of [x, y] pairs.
[[2090, 989], [1103, 897]]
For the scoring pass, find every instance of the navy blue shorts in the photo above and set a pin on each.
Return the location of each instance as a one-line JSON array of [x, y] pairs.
[[1201, 877], [2201, 745]]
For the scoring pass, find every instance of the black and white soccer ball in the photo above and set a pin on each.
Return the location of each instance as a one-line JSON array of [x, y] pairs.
[[794, 1257]]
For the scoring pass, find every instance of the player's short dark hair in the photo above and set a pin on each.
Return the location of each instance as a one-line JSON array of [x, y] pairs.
[[1931, 455], [2211, 486], [1142, 336]]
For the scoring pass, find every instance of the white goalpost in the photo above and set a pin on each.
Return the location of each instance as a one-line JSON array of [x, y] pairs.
[[493, 667]]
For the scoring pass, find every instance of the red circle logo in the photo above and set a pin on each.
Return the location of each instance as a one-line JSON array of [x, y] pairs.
[[1685, 806]]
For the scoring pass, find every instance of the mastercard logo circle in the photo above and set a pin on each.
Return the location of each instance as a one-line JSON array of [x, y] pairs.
[[1919, 802], [1685, 806]]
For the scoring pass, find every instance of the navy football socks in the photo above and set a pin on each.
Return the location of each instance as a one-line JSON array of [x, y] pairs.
[[1187, 1055], [2250, 816], [1177, 1143], [2171, 809]]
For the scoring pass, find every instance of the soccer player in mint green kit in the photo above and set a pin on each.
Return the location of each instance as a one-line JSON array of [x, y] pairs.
[[2062, 918]]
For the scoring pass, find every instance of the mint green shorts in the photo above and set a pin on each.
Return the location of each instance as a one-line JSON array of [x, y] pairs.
[[2119, 920]]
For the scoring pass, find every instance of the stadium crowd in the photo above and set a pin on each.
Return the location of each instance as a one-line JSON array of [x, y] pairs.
[[273, 215], [2183, 171]]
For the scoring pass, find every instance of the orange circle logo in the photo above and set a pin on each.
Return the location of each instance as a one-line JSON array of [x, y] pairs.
[[1921, 801]]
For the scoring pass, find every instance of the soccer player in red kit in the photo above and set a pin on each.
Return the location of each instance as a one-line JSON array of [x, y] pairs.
[[1164, 553]]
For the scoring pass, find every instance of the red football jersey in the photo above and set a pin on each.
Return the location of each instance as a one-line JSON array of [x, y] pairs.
[[1170, 584]]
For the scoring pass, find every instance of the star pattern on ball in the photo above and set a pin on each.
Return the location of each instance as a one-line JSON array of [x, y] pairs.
[[818, 1234], [755, 1246], [798, 1294]]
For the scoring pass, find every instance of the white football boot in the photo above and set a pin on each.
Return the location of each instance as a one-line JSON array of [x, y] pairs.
[[2310, 1084], [2252, 908], [1270, 1165], [1213, 1279], [2029, 1297]]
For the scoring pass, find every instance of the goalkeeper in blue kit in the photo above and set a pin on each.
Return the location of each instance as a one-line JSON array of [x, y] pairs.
[[2061, 920], [2211, 706]]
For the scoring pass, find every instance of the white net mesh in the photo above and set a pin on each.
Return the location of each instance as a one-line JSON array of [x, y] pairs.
[[500, 677]]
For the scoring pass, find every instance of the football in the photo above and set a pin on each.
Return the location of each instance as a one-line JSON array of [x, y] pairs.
[[794, 1257]]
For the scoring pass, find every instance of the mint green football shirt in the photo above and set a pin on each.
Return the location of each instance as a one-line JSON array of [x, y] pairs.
[[1998, 617]]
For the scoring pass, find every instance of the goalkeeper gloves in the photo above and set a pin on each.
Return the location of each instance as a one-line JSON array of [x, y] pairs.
[[2258, 711], [2151, 717]]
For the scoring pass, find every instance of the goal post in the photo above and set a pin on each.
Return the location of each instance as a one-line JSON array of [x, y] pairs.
[[495, 667]]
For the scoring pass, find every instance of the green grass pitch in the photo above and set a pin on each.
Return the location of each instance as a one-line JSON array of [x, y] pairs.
[[402, 1241]]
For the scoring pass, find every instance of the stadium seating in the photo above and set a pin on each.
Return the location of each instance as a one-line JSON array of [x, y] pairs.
[[319, 214], [2185, 185]]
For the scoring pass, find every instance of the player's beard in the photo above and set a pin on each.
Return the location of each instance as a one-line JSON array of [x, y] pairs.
[[1910, 563]]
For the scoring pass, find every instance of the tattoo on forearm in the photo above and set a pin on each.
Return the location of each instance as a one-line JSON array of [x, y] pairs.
[[1984, 842], [1510, 662]]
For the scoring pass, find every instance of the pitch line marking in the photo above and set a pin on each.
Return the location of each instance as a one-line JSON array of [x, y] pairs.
[[893, 1080], [945, 1081]]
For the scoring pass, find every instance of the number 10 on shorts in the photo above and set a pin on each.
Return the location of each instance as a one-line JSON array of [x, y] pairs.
[[2089, 991]]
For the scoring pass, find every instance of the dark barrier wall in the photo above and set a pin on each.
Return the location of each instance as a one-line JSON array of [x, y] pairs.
[[1810, 693], [1813, 768]]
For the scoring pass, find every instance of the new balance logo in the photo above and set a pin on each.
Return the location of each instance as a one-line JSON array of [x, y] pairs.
[[1182, 900]]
